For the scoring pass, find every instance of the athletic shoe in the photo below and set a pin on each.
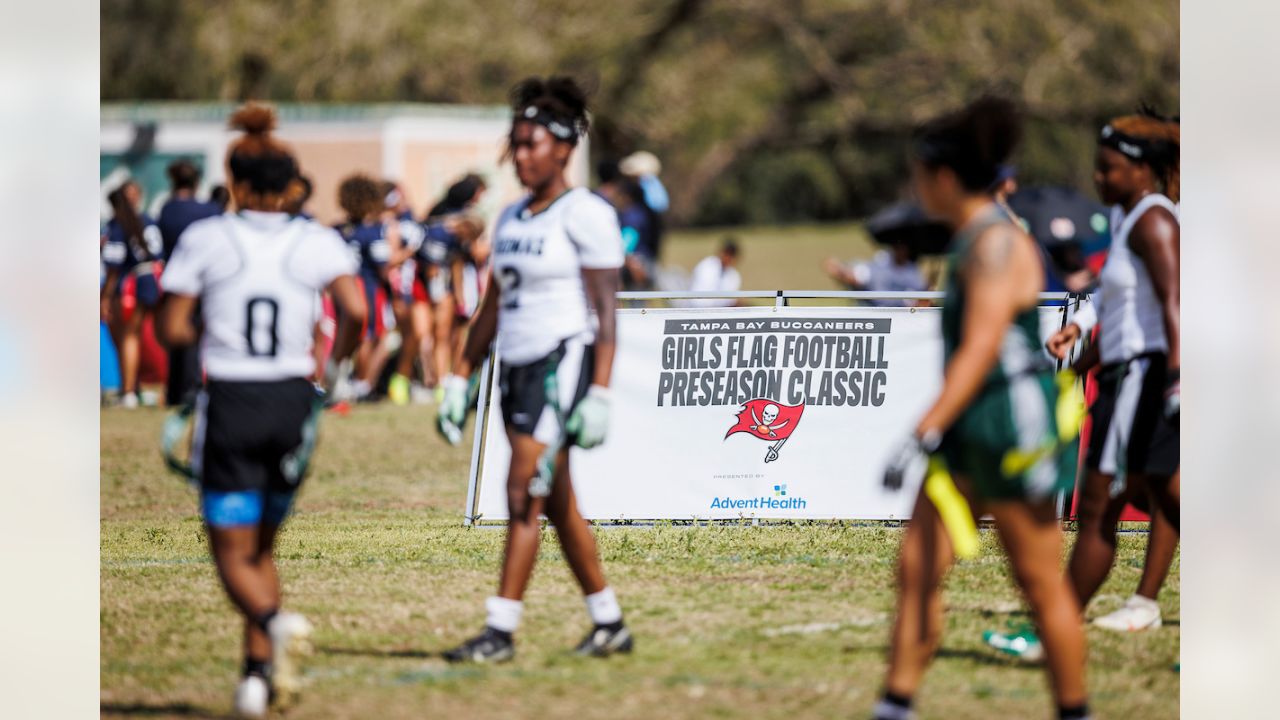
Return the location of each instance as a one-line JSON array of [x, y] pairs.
[[1137, 614], [252, 695], [290, 635], [604, 641], [398, 389], [129, 401], [490, 646], [1020, 642]]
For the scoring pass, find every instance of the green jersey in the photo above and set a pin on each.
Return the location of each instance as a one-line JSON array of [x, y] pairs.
[[1014, 410]]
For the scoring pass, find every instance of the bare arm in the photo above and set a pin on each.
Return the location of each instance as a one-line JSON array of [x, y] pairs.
[[174, 327], [480, 334], [1155, 239], [996, 278], [602, 293], [347, 296]]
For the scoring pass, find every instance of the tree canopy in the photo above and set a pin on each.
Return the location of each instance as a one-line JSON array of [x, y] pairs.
[[761, 111]]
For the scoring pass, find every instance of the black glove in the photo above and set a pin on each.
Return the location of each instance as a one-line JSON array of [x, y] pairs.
[[910, 457]]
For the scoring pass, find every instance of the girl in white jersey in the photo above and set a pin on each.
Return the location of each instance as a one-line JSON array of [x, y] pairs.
[[555, 260], [257, 275], [1133, 444]]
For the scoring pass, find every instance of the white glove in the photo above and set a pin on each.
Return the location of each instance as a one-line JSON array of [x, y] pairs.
[[910, 457], [590, 419], [453, 408]]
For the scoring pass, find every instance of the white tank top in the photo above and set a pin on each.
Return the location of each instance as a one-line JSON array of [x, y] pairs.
[[1129, 309], [538, 260], [258, 276]]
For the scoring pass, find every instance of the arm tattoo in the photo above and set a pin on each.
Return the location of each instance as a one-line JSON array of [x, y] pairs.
[[992, 252]]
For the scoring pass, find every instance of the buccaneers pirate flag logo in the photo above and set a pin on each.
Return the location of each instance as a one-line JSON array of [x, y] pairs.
[[768, 420]]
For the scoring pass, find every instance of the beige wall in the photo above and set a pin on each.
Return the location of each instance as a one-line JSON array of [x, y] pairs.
[[327, 163]]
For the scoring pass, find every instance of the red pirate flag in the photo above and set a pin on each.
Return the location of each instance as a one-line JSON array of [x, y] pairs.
[[768, 420]]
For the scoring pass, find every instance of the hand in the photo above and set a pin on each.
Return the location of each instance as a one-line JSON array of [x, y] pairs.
[[104, 310], [453, 408], [1061, 342], [910, 457], [590, 419], [1173, 396]]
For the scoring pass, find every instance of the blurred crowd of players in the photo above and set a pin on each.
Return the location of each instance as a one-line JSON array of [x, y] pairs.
[[423, 276]]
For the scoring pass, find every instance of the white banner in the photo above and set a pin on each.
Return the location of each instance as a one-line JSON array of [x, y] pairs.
[[750, 412]]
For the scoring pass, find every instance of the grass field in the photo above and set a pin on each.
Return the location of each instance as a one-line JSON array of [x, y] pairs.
[[776, 622]]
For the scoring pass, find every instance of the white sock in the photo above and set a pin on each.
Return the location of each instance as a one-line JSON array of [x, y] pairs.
[[603, 607], [504, 614]]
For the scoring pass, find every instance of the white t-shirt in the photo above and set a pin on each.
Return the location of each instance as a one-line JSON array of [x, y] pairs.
[[1126, 302], [258, 276], [710, 275], [538, 259]]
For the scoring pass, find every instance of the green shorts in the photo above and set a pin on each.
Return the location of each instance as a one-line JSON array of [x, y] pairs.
[[1015, 416]]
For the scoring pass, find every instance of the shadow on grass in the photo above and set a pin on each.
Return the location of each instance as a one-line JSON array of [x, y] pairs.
[[109, 709], [984, 657], [380, 653]]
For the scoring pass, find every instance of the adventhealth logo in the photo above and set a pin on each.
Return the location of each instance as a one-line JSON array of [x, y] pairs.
[[779, 500]]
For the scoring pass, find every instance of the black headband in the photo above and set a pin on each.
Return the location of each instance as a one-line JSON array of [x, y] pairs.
[[1142, 150], [562, 129]]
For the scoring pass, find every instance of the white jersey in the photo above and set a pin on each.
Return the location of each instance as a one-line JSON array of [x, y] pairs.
[[1127, 304], [258, 276], [538, 259]]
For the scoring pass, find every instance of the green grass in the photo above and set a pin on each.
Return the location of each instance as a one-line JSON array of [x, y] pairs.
[[724, 616]]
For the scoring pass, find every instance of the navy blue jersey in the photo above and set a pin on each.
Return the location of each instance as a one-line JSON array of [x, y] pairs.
[[440, 246], [177, 215], [368, 242], [119, 253]]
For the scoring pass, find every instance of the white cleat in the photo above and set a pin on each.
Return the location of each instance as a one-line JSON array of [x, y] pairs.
[[252, 697], [1137, 614], [290, 635]]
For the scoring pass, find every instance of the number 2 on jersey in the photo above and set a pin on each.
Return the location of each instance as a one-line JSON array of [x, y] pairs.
[[262, 315], [509, 282]]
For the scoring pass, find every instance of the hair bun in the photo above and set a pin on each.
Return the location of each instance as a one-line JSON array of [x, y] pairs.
[[254, 118]]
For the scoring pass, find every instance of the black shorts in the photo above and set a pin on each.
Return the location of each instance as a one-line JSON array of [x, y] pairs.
[[538, 397], [250, 448], [1129, 432]]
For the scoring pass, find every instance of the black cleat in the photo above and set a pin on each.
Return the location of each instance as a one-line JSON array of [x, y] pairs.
[[605, 640], [490, 646]]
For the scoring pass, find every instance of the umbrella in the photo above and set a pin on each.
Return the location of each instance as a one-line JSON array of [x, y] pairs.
[[906, 223], [1068, 225], [1057, 215]]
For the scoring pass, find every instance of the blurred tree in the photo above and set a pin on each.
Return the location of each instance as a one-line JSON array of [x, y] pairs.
[[761, 111]]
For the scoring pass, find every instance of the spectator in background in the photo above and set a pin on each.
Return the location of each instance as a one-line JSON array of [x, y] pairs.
[[644, 167], [131, 290], [179, 212], [637, 222], [219, 195], [447, 266], [891, 270], [716, 273]]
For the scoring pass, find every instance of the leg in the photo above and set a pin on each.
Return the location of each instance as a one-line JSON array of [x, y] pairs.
[[1167, 494], [1095, 548], [421, 319], [1032, 538], [524, 527], [236, 555], [256, 644], [1162, 543], [576, 540], [922, 562], [130, 348], [443, 335]]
